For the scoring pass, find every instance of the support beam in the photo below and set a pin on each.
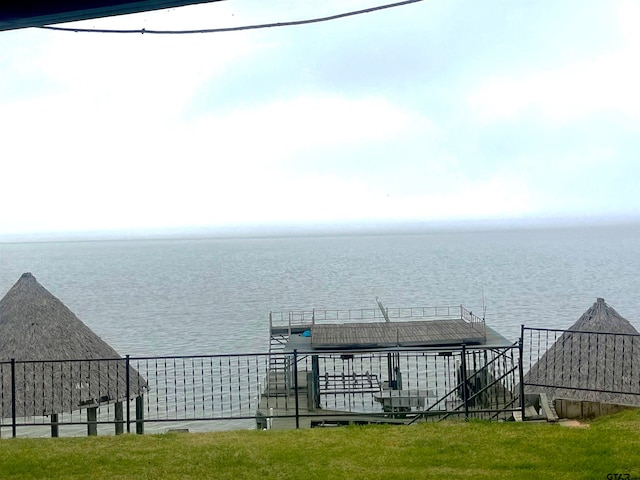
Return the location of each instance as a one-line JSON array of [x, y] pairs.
[[54, 425], [92, 419], [119, 418]]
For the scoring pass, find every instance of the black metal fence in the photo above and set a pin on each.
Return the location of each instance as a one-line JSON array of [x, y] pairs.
[[302, 389], [283, 390], [591, 366]]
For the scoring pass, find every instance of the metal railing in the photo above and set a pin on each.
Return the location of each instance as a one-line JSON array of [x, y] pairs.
[[592, 366], [213, 392], [67, 392], [297, 318], [473, 319]]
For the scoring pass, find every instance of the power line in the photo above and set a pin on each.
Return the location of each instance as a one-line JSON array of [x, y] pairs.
[[236, 29]]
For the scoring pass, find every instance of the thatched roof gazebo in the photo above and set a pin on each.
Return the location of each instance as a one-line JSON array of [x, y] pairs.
[[60, 364], [596, 360]]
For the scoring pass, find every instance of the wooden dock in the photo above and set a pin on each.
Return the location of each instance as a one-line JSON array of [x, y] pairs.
[[396, 334], [310, 339], [376, 328]]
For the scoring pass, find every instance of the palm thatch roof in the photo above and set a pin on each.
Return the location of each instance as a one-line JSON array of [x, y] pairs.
[[61, 365], [597, 359]]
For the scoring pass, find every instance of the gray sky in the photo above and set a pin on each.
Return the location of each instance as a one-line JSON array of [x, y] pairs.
[[440, 110]]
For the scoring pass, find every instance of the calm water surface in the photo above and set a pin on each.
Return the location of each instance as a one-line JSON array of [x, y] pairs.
[[207, 296]]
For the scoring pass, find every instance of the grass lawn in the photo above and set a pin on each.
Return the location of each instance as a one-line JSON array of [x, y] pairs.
[[610, 445]]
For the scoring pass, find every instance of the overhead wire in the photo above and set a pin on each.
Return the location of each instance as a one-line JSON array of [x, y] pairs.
[[238, 28]]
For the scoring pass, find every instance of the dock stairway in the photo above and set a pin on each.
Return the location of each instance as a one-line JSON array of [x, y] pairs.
[[281, 327], [279, 365]]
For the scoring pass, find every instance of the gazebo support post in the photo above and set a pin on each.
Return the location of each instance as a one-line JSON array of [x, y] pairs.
[[140, 415], [92, 421], [119, 418], [54, 425]]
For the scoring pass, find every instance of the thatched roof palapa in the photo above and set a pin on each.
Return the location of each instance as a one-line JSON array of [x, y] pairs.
[[597, 359], [61, 365]]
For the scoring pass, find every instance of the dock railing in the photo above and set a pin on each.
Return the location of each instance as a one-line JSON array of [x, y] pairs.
[[301, 318], [291, 320], [475, 321], [283, 324]]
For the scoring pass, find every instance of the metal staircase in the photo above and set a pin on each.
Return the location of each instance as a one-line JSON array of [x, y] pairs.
[[281, 327], [277, 384]]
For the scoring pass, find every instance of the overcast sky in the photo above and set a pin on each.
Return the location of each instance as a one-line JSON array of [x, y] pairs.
[[440, 110]]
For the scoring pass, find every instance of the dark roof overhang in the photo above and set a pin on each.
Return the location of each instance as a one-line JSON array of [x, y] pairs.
[[16, 14]]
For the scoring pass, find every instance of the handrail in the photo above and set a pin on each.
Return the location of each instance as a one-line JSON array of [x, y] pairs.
[[311, 317], [472, 318]]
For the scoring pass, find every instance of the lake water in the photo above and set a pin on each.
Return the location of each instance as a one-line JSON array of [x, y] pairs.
[[208, 296]]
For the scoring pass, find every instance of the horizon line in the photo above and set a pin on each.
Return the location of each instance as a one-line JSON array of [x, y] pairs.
[[320, 229]]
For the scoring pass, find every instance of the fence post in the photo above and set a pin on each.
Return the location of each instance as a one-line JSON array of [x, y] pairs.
[[295, 386], [13, 398], [55, 431], [521, 370], [140, 414], [465, 393], [128, 392]]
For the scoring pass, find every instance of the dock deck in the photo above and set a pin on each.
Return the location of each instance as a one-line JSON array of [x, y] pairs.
[[396, 334], [379, 328]]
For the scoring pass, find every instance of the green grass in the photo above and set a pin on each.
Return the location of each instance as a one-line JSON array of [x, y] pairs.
[[443, 450]]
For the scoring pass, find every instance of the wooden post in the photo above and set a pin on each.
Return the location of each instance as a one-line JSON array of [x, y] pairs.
[[140, 415], [119, 418], [54, 425], [92, 418]]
